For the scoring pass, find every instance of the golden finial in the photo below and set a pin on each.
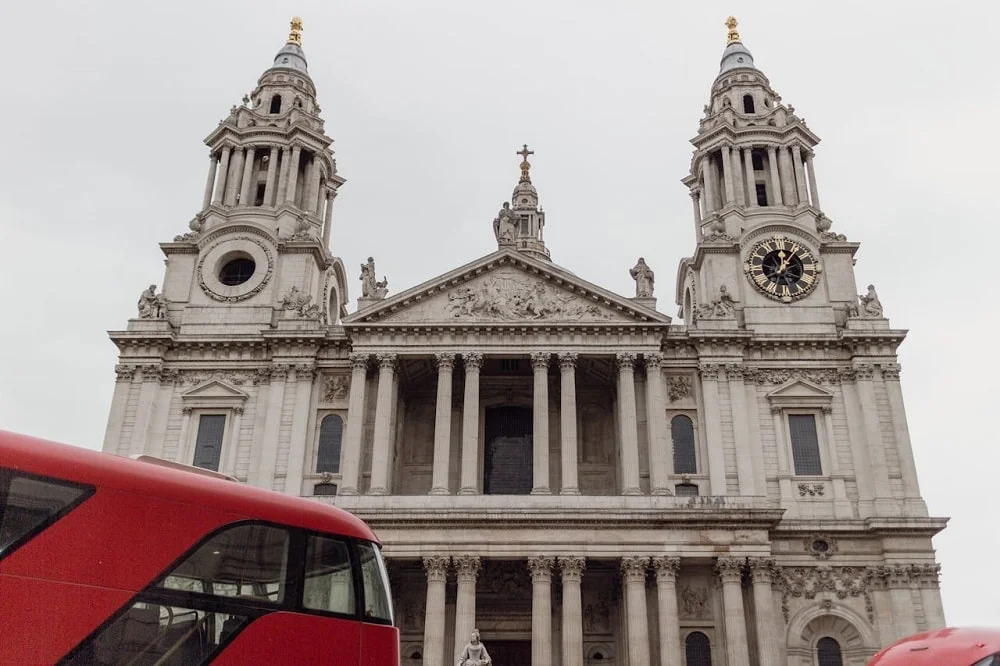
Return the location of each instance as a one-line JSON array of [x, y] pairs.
[[734, 36], [295, 35], [525, 165]]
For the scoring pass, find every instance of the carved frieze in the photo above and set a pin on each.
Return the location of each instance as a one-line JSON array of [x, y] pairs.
[[678, 387], [843, 582], [782, 375], [695, 603], [232, 377], [597, 617], [335, 387], [511, 297], [811, 489]]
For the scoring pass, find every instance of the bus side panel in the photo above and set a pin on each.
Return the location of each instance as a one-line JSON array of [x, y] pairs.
[[291, 638], [114, 539], [379, 645], [42, 620]]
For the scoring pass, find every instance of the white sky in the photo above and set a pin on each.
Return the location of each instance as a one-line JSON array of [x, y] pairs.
[[106, 103]]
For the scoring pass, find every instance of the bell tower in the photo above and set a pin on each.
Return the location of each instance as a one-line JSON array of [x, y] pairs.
[[765, 257], [257, 253], [521, 226]]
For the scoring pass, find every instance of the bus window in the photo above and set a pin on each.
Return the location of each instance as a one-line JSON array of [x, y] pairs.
[[30, 503], [376, 581], [329, 585], [247, 561]]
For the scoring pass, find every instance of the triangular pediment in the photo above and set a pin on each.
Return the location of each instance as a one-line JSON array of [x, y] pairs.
[[800, 388], [507, 288], [215, 390]]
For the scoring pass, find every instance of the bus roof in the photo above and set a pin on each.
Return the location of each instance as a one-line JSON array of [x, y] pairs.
[[46, 458], [953, 646]]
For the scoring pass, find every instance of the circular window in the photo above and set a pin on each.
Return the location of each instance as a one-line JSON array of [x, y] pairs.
[[237, 271], [820, 546]]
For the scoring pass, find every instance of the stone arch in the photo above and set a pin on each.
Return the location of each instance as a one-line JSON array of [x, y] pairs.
[[599, 653], [412, 654], [856, 637]]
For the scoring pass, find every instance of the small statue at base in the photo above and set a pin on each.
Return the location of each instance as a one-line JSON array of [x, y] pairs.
[[474, 653]]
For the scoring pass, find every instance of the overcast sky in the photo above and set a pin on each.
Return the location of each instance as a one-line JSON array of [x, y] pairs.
[[105, 105]]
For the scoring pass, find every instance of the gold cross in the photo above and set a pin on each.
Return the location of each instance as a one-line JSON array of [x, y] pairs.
[[525, 165]]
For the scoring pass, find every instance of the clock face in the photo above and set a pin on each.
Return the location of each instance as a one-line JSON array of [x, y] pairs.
[[782, 269]]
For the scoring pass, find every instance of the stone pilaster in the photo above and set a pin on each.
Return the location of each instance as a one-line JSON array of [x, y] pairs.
[[772, 162], [813, 191], [466, 572], [442, 425], [656, 426], [350, 469], [272, 174], [541, 610], [272, 426], [437, 579], [897, 580], [634, 575], [628, 431], [751, 177], [901, 434], [667, 569], [540, 419], [787, 176], [737, 171], [304, 375], [741, 431], [286, 158], [727, 174], [567, 424], [382, 444], [863, 377], [572, 610], [713, 429], [234, 179], [730, 571], [762, 574], [293, 173], [124, 376], [800, 175], [708, 181], [473, 361]]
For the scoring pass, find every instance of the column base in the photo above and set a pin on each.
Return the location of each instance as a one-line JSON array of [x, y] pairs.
[[439, 491], [570, 491], [632, 491], [348, 491], [661, 492], [468, 491], [541, 491], [377, 491]]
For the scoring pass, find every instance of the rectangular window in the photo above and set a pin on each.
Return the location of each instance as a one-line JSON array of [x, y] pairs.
[[686, 490], [29, 503], [208, 446], [761, 190], [329, 585], [805, 444], [378, 605], [758, 161]]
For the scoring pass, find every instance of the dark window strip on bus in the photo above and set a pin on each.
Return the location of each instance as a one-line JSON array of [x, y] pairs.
[[30, 504]]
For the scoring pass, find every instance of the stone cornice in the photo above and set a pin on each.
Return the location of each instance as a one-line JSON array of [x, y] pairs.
[[923, 527]]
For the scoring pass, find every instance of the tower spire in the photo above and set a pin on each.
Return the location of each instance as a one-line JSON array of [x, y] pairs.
[[520, 224], [295, 34]]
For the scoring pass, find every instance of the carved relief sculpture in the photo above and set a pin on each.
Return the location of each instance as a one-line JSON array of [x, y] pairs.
[[336, 388], [869, 306], [724, 307], [152, 305], [300, 303], [678, 386], [694, 604], [509, 298], [644, 277]]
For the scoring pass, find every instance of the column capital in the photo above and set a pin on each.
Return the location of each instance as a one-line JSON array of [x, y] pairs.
[[625, 360], [653, 360], [437, 568], [386, 361], [762, 569], [467, 567], [304, 372], [472, 360], [444, 360], [666, 568], [891, 371], [572, 568], [735, 370], [541, 568], [729, 569], [709, 371], [540, 360], [359, 360], [567, 360], [864, 371], [634, 568]]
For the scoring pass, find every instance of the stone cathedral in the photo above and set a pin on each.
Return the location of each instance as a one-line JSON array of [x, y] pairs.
[[574, 473]]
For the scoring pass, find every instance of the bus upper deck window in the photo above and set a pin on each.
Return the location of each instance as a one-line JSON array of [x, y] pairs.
[[29, 503], [378, 604], [329, 582]]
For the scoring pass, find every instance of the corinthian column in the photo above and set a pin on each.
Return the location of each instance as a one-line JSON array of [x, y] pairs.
[[540, 414], [470, 425], [213, 163], [751, 177], [812, 180], [572, 610], [800, 175], [666, 597], [730, 571], [727, 174], [382, 438], [628, 432], [567, 424], [351, 467], [293, 173], [437, 579], [272, 174], [541, 610], [713, 418], [442, 425], [245, 197], [634, 572], [656, 426], [772, 162], [466, 571], [220, 187], [762, 570]]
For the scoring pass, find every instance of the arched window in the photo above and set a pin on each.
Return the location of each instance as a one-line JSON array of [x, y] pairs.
[[682, 432], [331, 432], [697, 649], [828, 652], [276, 104], [747, 103]]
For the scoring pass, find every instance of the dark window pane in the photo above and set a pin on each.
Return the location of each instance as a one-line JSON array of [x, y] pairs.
[[150, 634], [329, 585], [697, 649], [682, 432], [331, 433], [378, 604], [686, 489], [246, 561], [748, 104], [805, 445], [507, 460], [828, 652], [208, 447], [761, 191], [28, 502], [237, 271], [325, 489]]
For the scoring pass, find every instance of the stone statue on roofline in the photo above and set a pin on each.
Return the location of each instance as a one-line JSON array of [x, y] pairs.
[[152, 305], [474, 653], [644, 277]]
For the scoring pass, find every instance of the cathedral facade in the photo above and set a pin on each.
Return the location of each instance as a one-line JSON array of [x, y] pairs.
[[572, 472]]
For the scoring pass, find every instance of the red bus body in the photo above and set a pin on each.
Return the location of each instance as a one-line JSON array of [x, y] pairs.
[[944, 647], [62, 584]]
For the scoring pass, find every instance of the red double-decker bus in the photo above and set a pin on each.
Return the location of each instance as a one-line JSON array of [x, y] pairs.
[[954, 646], [106, 560]]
